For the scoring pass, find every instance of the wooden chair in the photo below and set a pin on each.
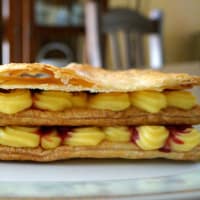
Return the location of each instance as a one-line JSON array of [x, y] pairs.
[[131, 25]]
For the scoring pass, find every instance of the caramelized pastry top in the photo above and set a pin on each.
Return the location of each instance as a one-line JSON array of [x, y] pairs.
[[78, 77]]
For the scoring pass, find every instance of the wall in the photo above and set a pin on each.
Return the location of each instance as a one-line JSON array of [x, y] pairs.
[[181, 23]]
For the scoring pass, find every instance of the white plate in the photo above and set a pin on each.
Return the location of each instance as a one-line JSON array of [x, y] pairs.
[[149, 179], [93, 170]]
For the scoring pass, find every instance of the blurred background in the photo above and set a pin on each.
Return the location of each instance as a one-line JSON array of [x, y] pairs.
[[147, 33]]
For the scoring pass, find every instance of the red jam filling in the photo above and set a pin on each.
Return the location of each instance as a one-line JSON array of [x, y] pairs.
[[166, 148], [43, 131], [134, 134], [63, 132], [178, 129]]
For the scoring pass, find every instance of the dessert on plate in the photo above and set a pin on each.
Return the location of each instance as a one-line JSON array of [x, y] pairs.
[[49, 113]]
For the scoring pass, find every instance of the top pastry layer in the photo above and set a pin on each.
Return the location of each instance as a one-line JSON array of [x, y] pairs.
[[78, 77]]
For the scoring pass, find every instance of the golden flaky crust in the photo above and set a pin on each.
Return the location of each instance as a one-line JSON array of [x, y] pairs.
[[94, 117], [77, 77], [104, 150]]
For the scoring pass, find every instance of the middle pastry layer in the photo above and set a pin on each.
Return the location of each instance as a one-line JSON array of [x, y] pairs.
[[96, 117]]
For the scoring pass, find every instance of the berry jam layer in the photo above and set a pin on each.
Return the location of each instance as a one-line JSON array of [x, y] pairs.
[[147, 138], [14, 101]]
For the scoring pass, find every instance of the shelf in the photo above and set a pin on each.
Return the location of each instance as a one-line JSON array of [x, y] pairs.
[[25, 36], [59, 30]]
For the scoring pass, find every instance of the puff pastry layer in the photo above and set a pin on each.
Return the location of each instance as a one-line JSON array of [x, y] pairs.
[[94, 117], [105, 150], [77, 77]]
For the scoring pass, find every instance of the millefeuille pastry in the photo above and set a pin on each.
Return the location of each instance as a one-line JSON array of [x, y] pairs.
[[49, 113]]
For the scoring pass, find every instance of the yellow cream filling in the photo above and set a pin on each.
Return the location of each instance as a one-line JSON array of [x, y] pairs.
[[151, 101], [15, 101], [50, 140], [188, 140], [180, 99], [52, 100], [19, 137], [117, 133], [109, 101], [87, 136], [149, 137]]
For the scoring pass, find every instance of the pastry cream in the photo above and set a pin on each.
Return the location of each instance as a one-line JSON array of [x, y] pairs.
[[15, 101], [52, 100], [117, 133], [184, 140], [150, 101], [87, 136], [79, 99], [151, 137], [50, 140], [29, 129], [109, 101], [180, 99], [19, 137]]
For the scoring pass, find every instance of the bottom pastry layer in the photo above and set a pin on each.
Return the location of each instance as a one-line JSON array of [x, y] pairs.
[[104, 150]]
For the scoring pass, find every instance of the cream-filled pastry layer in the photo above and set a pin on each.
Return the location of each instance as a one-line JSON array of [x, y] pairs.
[[163, 138], [14, 101]]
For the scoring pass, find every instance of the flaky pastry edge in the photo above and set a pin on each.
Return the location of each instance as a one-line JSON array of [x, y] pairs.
[[95, 117], [104, 150], [82, 77]]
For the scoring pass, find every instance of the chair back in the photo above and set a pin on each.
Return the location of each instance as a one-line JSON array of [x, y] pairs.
[[128, 49]]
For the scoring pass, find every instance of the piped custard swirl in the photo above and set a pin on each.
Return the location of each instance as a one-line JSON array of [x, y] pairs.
[[151, 137], [19, 136], [14, 101], [182, 139]]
